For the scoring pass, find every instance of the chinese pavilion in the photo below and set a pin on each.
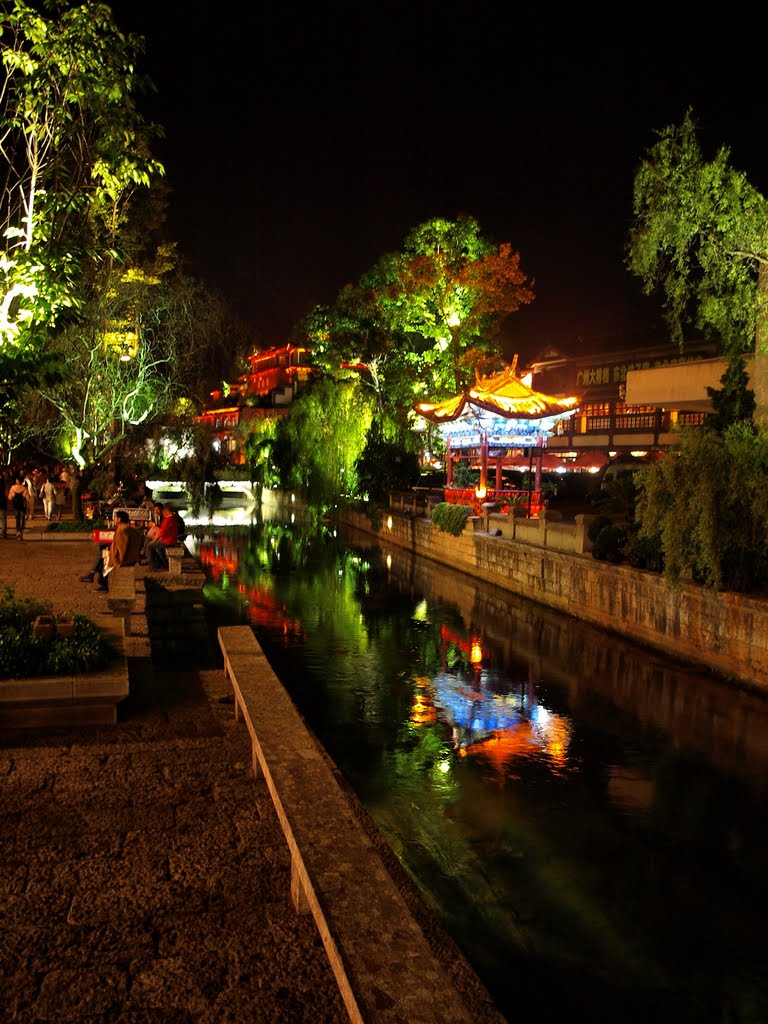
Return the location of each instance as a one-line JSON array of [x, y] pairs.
[[502, 413]]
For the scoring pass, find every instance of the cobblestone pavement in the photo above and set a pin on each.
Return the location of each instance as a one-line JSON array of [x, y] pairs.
[[143, 873]]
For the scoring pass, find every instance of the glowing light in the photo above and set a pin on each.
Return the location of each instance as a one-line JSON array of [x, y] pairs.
[[480, 492], [476, 652], [444, 767], [420, 611], [293, 497], [389, 522], [638, 455], [389, 561]]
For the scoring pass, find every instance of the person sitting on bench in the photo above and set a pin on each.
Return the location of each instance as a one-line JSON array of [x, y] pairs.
[[167, 537], [124, 549]]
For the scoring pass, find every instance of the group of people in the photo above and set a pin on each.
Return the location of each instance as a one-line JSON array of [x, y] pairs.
[[130, 546], [22, 485]]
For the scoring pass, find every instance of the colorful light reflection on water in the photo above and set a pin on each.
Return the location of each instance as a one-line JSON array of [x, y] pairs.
[[591, 850]]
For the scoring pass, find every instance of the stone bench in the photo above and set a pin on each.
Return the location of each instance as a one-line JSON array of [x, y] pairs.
[[121, 598], [383, 964], [176, 556]]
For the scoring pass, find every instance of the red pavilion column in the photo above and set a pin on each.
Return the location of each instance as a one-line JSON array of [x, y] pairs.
[[448, 462]]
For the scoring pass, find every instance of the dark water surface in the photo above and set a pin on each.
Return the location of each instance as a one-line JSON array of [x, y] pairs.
[[587, 818]]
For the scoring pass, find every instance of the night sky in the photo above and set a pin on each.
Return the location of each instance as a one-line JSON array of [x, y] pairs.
[[304, 142]]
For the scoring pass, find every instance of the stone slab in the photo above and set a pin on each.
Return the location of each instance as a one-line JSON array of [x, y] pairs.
[[382, 962]]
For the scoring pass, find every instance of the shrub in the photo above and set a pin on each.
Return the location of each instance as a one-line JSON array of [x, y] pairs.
[[22, 654], [708, 503], [609, 543], [451, 518]]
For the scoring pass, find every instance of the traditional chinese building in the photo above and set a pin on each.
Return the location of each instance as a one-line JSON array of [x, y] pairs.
[[605, 420], [265, 391]]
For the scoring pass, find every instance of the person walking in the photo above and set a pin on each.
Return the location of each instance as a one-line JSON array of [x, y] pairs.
[[59, 497], [27, 481], [5, 485], [18, 498], [48, 496]]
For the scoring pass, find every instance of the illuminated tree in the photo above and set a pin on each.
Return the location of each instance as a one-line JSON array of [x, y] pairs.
[[700, 238], [144, 339], [419, 321], [74, 149], [318, 443], [455, 289]]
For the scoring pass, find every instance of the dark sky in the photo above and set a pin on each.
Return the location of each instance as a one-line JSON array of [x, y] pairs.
[[303, 142]]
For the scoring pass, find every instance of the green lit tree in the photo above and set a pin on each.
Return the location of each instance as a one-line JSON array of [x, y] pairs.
[[74, 149], [700, 237], [318, 443], [419, 321]]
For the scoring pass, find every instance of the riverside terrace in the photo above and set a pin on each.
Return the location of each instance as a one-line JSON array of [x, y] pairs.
[[145, 875]]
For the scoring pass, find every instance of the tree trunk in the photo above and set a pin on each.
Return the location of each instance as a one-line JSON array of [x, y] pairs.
[[760, 365]]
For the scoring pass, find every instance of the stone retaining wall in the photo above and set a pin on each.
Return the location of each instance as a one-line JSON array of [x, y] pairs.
[[725, 632]]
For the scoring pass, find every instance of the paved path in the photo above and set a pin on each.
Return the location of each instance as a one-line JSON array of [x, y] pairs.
[[144, 877]]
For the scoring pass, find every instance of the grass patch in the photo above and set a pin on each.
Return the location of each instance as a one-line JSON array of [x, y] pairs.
[[71, 526], [24, 655]]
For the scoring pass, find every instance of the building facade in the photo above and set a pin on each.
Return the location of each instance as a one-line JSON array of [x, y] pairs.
[[266, 391], [606, 420]]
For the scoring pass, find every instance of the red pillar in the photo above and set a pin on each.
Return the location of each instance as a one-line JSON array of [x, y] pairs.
[[539, 453], [499, 477], [484, 462], [448, 463]]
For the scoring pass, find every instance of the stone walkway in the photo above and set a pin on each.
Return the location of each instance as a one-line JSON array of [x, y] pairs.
[[144, 877]]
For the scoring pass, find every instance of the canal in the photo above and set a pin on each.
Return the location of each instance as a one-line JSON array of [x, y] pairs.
[[587, 818]]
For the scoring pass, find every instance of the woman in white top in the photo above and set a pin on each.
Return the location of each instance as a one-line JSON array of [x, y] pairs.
[[47, 493]]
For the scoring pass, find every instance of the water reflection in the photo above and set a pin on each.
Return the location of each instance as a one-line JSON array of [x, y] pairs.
[[587, 817]]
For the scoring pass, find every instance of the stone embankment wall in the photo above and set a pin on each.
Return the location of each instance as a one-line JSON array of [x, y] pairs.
[[725, 632]]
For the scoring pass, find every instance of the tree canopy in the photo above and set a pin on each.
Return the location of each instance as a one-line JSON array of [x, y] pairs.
[[419, 320], [73, 148], [701, 238]]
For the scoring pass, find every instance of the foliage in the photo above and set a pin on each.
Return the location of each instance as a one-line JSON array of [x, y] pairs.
[[260, 433], [24, 655], [463, 476], [734, 402], [197, 467], [74, 526], [707, 505], [385, 465], [700, 237], [417, 323], [618, 497], [318, 443], [609, 541], [451, 518], [75, 149]]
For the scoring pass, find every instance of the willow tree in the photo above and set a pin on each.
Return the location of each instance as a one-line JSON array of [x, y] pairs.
[[319, 441], [700, 238]]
